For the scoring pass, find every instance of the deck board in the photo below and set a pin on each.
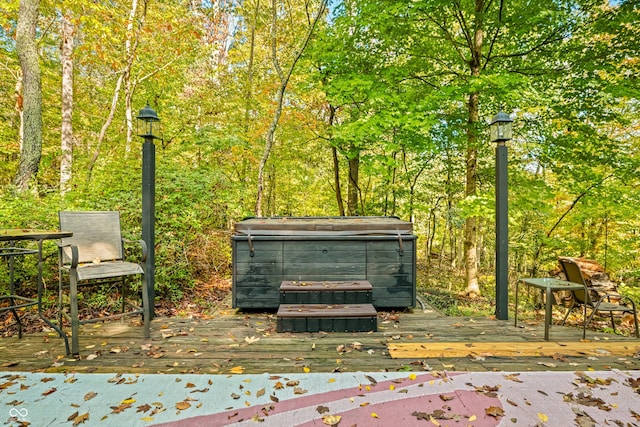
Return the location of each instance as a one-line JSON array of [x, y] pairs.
[[490, 349], [247, 342]]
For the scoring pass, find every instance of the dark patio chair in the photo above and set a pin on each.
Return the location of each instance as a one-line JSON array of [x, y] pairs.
[[584, 298], [95, 255]]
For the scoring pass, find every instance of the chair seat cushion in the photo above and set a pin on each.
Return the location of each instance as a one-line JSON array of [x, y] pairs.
[[104, 270], [609, 306]]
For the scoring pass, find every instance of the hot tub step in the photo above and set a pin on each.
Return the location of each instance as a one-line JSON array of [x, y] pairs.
[[326, 292], [327, 317]]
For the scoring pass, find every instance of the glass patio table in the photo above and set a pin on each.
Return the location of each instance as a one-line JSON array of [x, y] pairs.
[[549, 285], [13, 235]]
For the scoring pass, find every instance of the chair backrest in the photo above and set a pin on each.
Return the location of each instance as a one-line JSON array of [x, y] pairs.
[[574, 274], [97, 235]]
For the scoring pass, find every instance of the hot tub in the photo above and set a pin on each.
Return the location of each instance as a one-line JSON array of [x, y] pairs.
[[268, 251]]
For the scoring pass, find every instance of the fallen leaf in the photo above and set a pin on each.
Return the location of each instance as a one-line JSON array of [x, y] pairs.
[[80, 419], [494, 411], [513, 377], [120, 408], [237, 370], [331, 420], [48, 392], [251, 340], [543, 417], [143, 408], [9, 364], [183, 405], [548, 364], [298, 390], [559, 357], [421, 415], [371, 379]]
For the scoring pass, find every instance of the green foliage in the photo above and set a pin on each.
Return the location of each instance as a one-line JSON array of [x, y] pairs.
[[386, 82]]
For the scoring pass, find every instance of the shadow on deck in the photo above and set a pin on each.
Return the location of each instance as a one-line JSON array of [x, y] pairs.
[[235, 342]]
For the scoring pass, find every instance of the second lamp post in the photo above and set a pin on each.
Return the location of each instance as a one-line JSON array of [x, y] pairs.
[[149, 129], [501, 132]]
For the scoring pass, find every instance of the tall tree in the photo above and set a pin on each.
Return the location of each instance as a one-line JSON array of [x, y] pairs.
[[124, 77], [283, 76], [26, 45], [66, 59], [474, 34]]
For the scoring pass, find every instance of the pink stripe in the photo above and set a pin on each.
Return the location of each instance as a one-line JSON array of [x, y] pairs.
[[312, 400], [400, 412]]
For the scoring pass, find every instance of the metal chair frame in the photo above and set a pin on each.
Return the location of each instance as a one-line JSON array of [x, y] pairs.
[[94, 255], [584, 298]]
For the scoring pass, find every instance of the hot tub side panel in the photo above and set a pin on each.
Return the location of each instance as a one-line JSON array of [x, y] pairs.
[[256, 273], [387, 263], [318, 260], [391, 270]]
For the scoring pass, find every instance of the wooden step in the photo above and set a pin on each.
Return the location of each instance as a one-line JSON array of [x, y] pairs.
[[327, 317], [326, 292]]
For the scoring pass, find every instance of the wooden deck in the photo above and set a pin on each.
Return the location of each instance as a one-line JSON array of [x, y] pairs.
[[231, 342]]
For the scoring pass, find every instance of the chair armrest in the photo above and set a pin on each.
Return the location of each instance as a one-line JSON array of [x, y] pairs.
[[143, 247], [620, 298], [74, 254]]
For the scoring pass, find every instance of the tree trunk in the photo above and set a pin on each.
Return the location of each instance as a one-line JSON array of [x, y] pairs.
[[66, 145], [471, 224], [336, 165], [131, 54], [129, 85], [249, 89], [284, 81], [26, 47], [352, 189], [19, 107]]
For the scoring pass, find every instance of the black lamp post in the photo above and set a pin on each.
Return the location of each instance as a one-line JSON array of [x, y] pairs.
[[149, 129], [502, 131]]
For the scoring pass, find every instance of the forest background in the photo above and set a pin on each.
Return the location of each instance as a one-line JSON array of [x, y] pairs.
[[316, 107]]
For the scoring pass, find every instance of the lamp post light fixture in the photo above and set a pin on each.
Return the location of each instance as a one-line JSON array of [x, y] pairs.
[[149, 128], [501, 128]]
